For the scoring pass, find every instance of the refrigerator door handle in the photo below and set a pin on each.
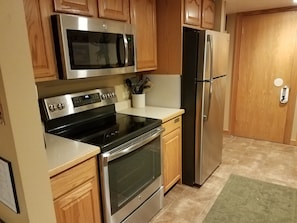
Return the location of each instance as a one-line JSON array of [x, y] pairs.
[[210, 52], [208, 99], [207, 102]]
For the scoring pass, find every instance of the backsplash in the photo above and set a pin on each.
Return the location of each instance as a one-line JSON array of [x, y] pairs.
[[58, 87], [165, 91]]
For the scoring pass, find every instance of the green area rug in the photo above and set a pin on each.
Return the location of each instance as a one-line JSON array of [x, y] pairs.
[[245, 200]]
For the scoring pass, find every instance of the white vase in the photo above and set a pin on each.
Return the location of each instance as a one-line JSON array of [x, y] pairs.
[[138, 100]]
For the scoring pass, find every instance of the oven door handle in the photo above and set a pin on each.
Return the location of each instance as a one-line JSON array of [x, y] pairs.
[[133, 145]]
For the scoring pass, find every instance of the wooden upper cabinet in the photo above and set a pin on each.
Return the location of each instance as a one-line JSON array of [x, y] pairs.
[[40, 39], [192, 12], [143, 16], [208, 14], [78, 7], [114, 9]]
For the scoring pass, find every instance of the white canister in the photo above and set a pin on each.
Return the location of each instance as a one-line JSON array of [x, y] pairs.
[[138, 100]]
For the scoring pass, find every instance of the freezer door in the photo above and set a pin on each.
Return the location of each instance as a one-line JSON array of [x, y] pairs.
[[210, 140], [219, 44]]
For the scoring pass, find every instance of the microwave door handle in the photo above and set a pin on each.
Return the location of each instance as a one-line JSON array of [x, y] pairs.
[[126, 49], [119, 44]]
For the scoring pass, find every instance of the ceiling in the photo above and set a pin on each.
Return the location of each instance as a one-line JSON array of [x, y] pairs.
[[233, 6]]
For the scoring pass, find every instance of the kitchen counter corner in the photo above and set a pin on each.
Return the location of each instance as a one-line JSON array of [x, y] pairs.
[[63, 153], [164, 114]]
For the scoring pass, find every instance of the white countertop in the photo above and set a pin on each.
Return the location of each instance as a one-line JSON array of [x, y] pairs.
[[164, 114], [63, 153]]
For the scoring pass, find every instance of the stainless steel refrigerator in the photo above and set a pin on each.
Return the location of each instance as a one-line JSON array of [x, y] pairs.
[[205, 66]]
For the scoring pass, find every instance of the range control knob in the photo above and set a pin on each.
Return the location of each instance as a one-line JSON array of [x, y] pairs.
[[52, 107], [60, 106], [103, 96]]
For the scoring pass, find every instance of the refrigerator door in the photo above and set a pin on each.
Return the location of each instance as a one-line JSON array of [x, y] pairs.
[[219, 45], [213, 55], [211, 129]]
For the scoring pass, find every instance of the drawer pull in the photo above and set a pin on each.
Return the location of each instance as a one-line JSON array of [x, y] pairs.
[[176, 120]]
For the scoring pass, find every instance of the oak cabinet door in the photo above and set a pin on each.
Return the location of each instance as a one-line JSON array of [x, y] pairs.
[[78, 7], [76, 194], [192, 12], [143, 16], [114, 9], [79, 205], [171, 148], [208, 14], [40, 39]]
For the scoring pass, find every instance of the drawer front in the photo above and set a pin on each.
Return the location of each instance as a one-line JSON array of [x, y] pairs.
[[77, 175], [172, 125]]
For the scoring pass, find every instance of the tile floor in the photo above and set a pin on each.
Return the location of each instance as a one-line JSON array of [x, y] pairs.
[[271, 162]]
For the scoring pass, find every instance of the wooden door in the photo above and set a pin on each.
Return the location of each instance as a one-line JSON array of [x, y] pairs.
[[116, 9], [79, 205], [143, 16], [192, 12], [266, 51]]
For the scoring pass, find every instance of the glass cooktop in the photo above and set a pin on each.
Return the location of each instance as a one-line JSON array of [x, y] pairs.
[[111, 131]]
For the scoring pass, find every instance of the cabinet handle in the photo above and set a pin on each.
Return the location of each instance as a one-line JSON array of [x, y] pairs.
[[176, 120]]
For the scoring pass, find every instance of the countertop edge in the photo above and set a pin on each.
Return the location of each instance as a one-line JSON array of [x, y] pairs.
[[63, 153], [59, 169]]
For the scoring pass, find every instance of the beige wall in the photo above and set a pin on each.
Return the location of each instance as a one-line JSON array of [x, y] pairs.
[[230, 30], [52, 88], [21, 140]]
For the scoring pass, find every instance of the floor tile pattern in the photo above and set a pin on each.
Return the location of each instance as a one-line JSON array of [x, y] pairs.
[[267, 161]]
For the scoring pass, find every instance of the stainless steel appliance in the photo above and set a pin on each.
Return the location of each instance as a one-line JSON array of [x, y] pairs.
[[205, 64], [88, 47], [130, 158]]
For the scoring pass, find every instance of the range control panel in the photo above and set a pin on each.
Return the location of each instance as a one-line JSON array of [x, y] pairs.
[[63, 105]]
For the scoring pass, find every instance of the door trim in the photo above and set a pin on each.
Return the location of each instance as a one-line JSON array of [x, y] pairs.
[[235, 75]]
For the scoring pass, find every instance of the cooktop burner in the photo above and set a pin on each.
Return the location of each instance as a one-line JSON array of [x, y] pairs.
[[125, 128], [90, 117]]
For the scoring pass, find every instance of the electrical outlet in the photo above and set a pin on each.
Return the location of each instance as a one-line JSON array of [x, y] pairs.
[[1, 117]]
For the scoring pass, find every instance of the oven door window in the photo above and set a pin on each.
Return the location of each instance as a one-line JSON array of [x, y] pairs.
[[130, 174], [95, 50]]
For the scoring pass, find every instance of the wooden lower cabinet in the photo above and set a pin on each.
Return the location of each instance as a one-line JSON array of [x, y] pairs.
[[76, 194], [171, 148]]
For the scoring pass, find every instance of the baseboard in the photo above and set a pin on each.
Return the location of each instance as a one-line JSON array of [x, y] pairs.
[[226, 132], [293, 142]]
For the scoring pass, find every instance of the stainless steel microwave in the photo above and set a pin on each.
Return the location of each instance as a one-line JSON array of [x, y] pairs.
[[89, 47]]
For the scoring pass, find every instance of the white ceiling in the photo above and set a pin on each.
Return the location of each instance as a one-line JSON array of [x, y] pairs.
[[233, 6]]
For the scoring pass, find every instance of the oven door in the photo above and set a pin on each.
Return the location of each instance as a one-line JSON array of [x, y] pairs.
[[130, 174]]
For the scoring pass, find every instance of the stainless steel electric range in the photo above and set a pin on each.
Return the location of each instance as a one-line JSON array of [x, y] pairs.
[[130, 158]]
